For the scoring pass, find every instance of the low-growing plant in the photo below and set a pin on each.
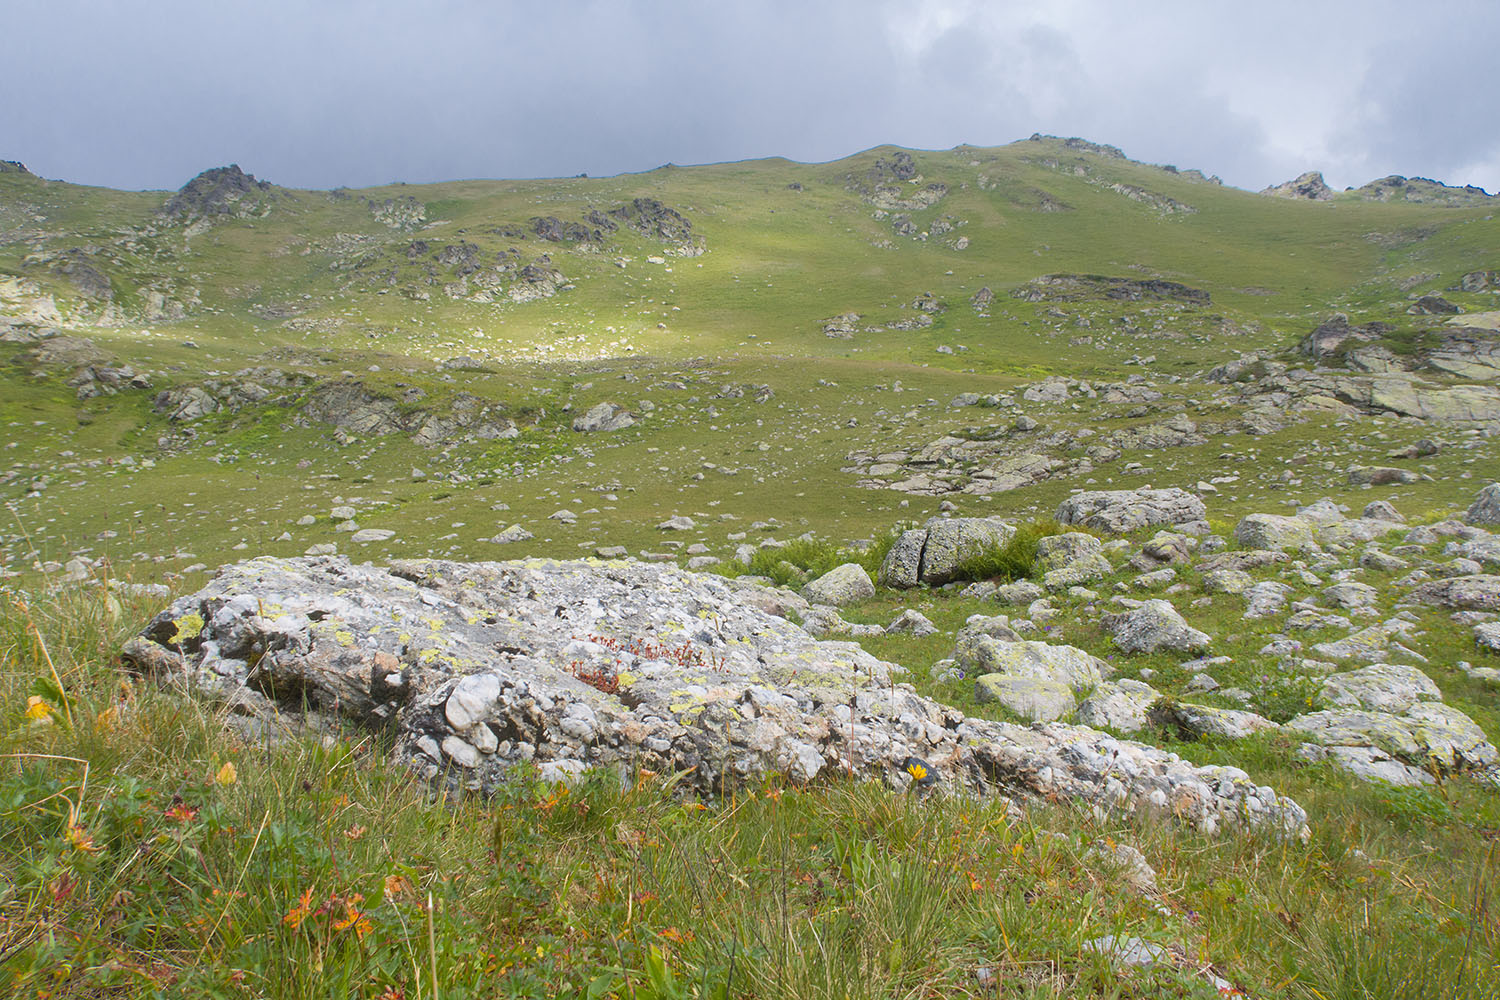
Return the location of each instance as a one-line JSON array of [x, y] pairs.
[[813, 556], [1015, 560]]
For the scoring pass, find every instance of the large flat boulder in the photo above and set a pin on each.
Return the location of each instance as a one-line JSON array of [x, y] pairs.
[[1118, 511]]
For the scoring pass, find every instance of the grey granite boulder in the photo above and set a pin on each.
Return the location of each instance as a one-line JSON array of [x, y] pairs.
[[952, 540], [840, 586], [1031, 698], [1153, 626], [1486, 506], [902, 566], [1275, 532], [1120, 511], [1118, 705]]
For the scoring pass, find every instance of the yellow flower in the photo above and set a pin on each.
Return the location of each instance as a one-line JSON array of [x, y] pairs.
[[37, 709], [916, 770], [227, 774]]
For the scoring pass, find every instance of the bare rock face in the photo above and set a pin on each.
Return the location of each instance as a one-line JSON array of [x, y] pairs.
[[219, 191], [477, 668], [1308, 187]]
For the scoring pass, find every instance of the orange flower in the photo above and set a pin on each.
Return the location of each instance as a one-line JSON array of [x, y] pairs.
[[355, 832], [354, 918], [181, 812], [298, 913]]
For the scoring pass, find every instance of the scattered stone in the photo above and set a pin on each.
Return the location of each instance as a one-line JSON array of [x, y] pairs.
[[840, 586], [913, 623], [1153, 626], [515, 533], [604, 417], [1275, 532]]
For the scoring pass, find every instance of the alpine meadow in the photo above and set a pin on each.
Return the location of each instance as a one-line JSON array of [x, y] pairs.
[[1014, 571]]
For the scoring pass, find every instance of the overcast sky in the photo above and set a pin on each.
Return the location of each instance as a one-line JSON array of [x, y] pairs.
[[358, 92]]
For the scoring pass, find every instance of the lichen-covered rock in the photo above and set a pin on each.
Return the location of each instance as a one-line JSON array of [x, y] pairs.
[[1380, 687], [1476, 592], [982, 654], [902, 565], [1071, 559], [1118, 705], [841, 585], [1275, 532], [1152, 626], [1428, 736], [1197, 721], [952, 540], [1119, 511], [1486, 506], [620, 665], [1031, 698]]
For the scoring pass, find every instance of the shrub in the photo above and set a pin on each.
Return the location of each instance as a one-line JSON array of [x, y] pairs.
[[813, 556], [1015, 560]]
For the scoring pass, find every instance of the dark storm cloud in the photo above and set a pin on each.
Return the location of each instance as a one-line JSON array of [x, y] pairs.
[[357, 93]]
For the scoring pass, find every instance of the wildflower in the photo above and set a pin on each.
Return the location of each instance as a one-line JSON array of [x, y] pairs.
[[181, 812], [80, 839], [227, 774], [299, 912], [920, 771], [38, 709], [356, 832], [354, 918], [396, 885]]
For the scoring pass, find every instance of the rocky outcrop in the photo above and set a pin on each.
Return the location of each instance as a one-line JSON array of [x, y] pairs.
[[604, 417], [1081, 287], [1335, 332], [220, 192], [475, 669], [1307, 187], [1423, 191]]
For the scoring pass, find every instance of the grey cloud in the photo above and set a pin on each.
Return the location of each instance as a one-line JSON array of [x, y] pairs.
[[361, 92]]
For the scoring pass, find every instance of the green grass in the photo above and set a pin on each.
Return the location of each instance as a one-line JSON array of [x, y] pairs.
[[148, 850]]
